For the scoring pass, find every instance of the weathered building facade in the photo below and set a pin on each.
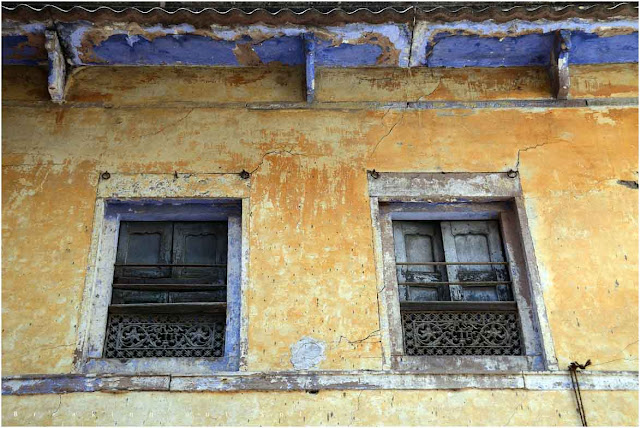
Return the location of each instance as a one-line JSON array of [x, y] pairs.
[[330, 149]]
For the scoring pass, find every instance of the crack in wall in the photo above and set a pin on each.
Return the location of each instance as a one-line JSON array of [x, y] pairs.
[[56, 347], [373, 333], [162, 129], [635, 342], [59, 405], [519, 406], [274, 152], [388, 132], [526, 149]]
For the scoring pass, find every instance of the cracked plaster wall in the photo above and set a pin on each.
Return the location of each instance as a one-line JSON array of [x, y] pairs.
[[311, 254], [368, 408]]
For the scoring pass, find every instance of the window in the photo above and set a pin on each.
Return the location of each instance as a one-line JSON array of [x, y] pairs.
[[166, 288], [458, 284], [454, 289], [169, 290]]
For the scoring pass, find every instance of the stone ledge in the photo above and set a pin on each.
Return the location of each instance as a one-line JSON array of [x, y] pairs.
[[317, 380], [342, 106]]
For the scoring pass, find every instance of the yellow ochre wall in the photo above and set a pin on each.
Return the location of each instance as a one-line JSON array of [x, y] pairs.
[[311, 264]]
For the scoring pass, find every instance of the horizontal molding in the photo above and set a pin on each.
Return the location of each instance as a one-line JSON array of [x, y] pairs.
[[426, 105], [318, 380]]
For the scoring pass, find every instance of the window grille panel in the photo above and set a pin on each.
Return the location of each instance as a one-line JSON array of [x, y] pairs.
[[165, 335], [441, 333]]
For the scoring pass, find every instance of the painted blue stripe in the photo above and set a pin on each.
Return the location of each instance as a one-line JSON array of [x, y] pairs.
[[590, 49], [474, 51], [173, 49], [286, 50], [346, 55], [16, 51]]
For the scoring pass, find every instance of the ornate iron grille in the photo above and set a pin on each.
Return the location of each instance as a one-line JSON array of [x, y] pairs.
[[461, 333], [161, 335]]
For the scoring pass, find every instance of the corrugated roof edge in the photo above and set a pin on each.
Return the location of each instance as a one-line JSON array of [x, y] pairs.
[[318, 14]]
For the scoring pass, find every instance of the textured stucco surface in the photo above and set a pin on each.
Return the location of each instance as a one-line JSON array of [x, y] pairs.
[[311, 263], [369, 408]]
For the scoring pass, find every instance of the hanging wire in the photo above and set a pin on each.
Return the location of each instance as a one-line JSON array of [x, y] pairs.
[[573, 367]]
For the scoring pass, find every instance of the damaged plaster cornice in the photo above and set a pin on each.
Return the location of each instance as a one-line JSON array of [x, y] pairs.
[[319, 380]]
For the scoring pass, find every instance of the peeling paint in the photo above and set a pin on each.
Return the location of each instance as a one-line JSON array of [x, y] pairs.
[[121, 43], [489, 37], [458, 44]]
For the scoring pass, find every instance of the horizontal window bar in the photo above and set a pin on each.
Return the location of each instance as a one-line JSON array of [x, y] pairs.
[[469, 283], [168, 308], [457, 306], [170, 287], [171, 265], [450, 263]]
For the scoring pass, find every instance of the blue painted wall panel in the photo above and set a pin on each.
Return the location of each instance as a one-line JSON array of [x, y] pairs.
[[589, 48], [286, 50], [17, 51], [346, 55], [474, 51], [171, 49]]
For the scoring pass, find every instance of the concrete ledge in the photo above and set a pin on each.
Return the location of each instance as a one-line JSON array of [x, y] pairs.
[[320, 380], [426, 105], [59, 384]]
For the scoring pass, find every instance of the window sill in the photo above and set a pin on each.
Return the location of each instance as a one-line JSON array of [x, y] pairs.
[[468, 364], [319, 380], [151, 366]]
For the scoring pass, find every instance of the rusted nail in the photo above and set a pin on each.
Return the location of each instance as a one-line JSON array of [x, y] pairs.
[[105, 175], [374, 174], [512, 174], [244, 174]]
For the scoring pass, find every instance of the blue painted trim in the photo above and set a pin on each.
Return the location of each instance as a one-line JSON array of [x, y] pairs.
[[475, 51], [17, 51], [190, 49], [234, 259], [310, 65], [457, 44], [283, 50], [588, 48], [346, 55]]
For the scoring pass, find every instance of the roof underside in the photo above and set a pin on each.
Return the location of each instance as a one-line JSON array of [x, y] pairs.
[[349, 35]]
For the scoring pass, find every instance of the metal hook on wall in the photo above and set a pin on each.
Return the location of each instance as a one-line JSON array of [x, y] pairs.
[[573, 367]]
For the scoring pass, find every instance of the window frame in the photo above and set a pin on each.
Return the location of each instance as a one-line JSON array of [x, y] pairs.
[[459, 196], [110, 212]]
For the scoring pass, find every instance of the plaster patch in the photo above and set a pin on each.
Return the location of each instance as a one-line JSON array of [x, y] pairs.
[[603, 118], [307, 353]]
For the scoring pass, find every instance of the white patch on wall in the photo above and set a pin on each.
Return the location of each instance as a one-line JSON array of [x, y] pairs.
[[307, 353]]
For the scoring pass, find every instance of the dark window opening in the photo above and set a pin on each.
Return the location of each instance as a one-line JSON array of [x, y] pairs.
[[169, 290]]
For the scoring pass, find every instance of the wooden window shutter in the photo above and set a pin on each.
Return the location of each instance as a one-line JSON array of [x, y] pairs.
[[419, 242], [475, 242], [200, 243], [143, 243]]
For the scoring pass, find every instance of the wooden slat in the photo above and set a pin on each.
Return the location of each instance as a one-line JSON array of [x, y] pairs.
[[169, 287], [168, 265], [169, 308], [451, 263], [458, 306], [465, 283]]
